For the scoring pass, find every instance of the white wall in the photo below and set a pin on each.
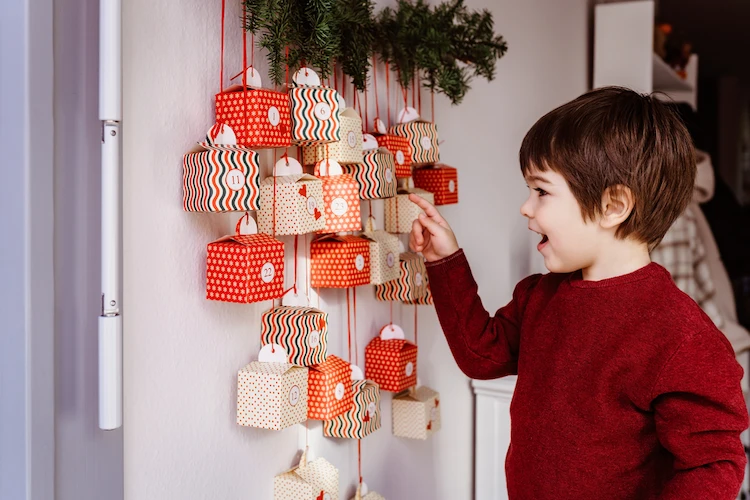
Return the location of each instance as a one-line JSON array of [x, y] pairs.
[[182, 352]]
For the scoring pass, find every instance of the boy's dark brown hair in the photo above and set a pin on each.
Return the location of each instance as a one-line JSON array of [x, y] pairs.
[[612, 137]]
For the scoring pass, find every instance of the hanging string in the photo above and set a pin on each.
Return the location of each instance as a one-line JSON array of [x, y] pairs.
[[419, 96], [415, 323], [245, 124], [348, 326], [359, 461], [375, 83], [274, 193], [356, 348], [252, 50], [414, 89], [391, 312], [296, 238], [366, 122], [432, 104], [388, 90], [221, 76], [307, 271], [286, 61]]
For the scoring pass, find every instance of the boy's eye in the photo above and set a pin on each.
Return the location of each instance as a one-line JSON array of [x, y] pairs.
[[541, 191]]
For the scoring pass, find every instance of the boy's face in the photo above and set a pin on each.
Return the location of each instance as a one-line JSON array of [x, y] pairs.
[[568, 243]]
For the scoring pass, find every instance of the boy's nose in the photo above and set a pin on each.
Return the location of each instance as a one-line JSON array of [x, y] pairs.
[[526, 208]]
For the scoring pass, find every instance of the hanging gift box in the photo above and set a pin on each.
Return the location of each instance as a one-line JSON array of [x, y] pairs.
[[375, 175], [400, 212], [399, 147], [362, 419], [416, 413], [245, 268], [259, 118], [363, 493], [339, 262], [271, 395], [426, 299], [423, 141], [346, 151], [411, 284], [384, 265], [220, 178], [340, 198], [329, 389], [301, 331], [441, 181], [298, 204], [314, 480], [391, 361], [315, 115]]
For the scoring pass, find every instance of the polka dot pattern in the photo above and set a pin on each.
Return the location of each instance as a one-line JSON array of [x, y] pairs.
[[396, 144], [441, 180], [263, 395], [247, 113], [334, 259], [386, 363], [237, 269], [289, 486], [400, 213], [325, 397], [384, 264], [417, 415], [322, 476], [372, 495], [299, 202], [341, 215], [346, 151]]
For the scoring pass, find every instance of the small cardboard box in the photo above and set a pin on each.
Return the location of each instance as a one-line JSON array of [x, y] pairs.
[[384, 260], [316, 480], [245, 268], [400, 212], [391, 362], [375, 175], [302, 331], [260, 118], [399, 147], [220, 178], [363, 493], [423, 141], [346, 151], [441, 181], [315, 115], [425, 300], [299, 205], [411, 284], [271, 395], [416, 413], [339, 262], [362, 419], [329, 389], [341, 204]]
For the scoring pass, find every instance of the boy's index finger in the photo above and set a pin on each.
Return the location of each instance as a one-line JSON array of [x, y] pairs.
[[428, 207]]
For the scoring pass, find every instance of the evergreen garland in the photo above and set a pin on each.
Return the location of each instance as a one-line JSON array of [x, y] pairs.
[[356, 29]]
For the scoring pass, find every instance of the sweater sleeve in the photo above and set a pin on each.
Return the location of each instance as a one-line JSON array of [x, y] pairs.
[[700, 412], [483, 346]]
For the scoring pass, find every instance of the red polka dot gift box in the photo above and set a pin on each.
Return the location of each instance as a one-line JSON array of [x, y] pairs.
[[400, 212], [416, 413], [346, 151], [362, 419], [423, 141], [245, 268], [401, 150], [441, 180], [220, 178], [301, 331], [391, 362], [259, 118], [411, 284], [291, 204], [340, 199], [329, 389], [271, 395], [375, 175], [339, 262], [315, 115], [314, 480], [384, 256]]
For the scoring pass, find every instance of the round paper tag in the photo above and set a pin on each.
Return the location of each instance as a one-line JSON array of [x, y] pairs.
[[322, 111], [247, 225], [221, 133], [235, 179], [273, 116], [388, 175], [267, 272], [339, 391], [452, 186], [372, 408], [409, 368], [359, 262], [418, 279], [369, 142], [312, 204], [380, 126], [389, 332], [294, 395], [363, 490], [287, 166], [357, 373], [390, 259], [351, 139], [426, 143], [273, 353], [294, 299], [313, 340], [326, 496], [400, 157], [306, 76], [339, 206], [252, 78], [407, 114]]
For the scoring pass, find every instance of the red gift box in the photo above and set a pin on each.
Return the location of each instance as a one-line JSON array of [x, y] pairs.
[[440, 180], [245, 268], [341, 205], [329, 389], [260, 118], [399, 147], [391, 362], [339, 262]]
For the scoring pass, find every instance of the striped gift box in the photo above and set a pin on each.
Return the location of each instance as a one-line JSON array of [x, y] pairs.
[[346, 151], [318, 479], [220, 178], [400, 212], [416, 414], [302, 331], [440, 180], [425, 300], [423, 141], [299, 202], [364, 417], [271, 395], [329, 389], [399, 147], [245, 268], [339, 262], [411, 283], [315, 115], [260, 118], [384, 266], [341, 205], [392, 364], [374, 175]]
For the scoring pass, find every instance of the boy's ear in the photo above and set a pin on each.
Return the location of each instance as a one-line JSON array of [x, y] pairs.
[[618, 203]]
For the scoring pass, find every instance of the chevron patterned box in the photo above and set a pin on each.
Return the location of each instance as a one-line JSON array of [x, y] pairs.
[[315, 115], [259, 118], [302, 331], [416, 414], [364, 417], [271, 395]]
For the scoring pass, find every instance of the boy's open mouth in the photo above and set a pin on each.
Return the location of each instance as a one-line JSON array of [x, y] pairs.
[[544, 239]]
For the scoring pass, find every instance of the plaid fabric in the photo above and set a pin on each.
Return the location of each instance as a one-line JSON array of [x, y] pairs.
[[681, 252]]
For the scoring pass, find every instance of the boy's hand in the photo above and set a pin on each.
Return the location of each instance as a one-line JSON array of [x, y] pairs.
[[430, 233]]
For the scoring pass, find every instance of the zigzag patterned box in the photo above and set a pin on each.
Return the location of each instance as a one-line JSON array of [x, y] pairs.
[[315, 115], [375, 175], [400, 149], [364, 417], [423, 141], [346, 151], [411, 284], [302, 331]]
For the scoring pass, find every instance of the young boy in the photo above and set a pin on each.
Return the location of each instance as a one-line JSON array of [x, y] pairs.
[[626, 389]]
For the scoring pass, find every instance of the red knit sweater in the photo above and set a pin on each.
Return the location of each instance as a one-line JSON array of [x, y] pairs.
[[625, 390]]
